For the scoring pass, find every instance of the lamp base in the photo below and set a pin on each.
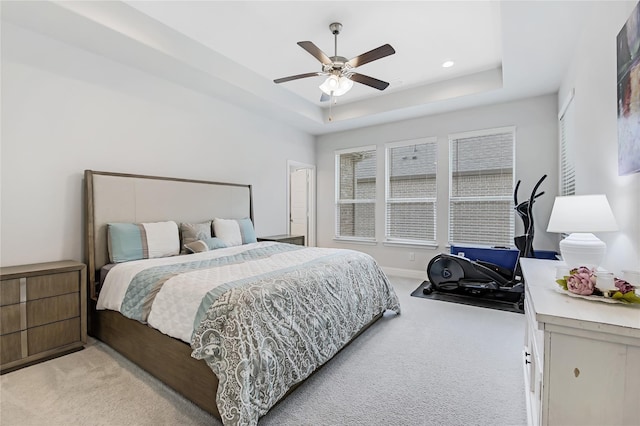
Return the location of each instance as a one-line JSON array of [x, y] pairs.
[[582, 249]]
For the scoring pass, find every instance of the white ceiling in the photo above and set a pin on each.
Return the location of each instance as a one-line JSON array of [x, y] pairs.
[[262, 36], [233, 50]]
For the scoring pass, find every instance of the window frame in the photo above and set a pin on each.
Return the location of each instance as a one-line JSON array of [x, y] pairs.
[[338, 201], [387, 199], [451, 198]]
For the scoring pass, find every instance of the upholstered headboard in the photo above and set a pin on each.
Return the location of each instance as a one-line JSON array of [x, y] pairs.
[[119, 197]]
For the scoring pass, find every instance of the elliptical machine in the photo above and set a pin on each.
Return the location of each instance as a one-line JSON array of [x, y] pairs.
[[453, 273], [524, 243]]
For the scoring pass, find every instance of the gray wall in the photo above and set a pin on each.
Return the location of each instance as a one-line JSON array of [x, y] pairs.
[[535, 120], [593, 76], [65, 110]]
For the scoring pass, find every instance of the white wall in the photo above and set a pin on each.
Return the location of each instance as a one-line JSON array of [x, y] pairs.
[[536, 125], [593, 75], [65, 110]]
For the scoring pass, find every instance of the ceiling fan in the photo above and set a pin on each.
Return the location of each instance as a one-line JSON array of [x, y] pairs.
[[340, 70]]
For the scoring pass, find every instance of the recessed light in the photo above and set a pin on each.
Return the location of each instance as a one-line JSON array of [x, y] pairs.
[[447, 64]]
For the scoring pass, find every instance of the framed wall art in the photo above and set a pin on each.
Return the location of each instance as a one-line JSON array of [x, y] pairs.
[[628, 53]]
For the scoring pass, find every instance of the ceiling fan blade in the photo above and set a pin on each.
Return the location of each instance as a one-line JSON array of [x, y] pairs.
[[324, 97], [369, 81], [372, 55], [315, 51], [296, 77]]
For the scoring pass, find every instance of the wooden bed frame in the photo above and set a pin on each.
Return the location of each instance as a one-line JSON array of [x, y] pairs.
[[119, 197]]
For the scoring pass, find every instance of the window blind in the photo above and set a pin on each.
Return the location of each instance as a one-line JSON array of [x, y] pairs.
[[410, 191], [567, 140], [481, 181]]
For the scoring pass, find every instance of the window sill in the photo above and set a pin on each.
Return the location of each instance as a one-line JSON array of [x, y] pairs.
[[432, 246], [355, 241]]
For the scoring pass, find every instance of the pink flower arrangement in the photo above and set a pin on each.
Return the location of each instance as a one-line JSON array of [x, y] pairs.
[[581, 281], [623, 286]]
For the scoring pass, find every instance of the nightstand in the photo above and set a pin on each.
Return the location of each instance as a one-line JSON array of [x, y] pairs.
[[285, 238], [43, 312]]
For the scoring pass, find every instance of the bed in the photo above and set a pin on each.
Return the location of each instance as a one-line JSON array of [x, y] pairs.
[[234, 326]]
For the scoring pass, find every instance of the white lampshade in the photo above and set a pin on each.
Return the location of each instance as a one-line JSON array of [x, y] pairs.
[[580, 215], [336, 86]]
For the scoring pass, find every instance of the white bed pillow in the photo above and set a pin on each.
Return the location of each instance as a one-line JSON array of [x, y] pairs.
[[234, 232], [162, 239]]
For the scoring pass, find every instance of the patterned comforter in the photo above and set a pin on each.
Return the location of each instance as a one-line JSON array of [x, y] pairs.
[[263, 316]]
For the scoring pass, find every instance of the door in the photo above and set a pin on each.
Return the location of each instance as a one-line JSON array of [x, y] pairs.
[[299, 203]]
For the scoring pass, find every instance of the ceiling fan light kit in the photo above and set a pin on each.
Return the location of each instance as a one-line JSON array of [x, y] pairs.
[[336, 86], [340, 70]]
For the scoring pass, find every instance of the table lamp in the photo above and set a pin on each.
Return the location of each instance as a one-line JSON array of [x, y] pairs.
[[579, 216]]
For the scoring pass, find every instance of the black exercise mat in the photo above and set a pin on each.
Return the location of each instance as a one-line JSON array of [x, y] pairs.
[[483, 302]]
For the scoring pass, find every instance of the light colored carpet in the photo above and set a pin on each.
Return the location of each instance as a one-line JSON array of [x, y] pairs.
[[438, 363]]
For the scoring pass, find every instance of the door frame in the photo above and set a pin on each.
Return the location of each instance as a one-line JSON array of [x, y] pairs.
[[311, 198]]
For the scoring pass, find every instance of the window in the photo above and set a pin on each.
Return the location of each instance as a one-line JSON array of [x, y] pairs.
[[567, 136], [356, 193], [481, 181], [410, 191]]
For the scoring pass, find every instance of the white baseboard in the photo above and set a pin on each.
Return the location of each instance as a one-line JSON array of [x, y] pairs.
[[405, 273]]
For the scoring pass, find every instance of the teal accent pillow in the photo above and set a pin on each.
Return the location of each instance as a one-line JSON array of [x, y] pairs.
[[215, 243], [205, 245], [247, 231], [125, 242]]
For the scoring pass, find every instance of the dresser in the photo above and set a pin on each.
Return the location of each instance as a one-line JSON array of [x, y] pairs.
[[285, 238], [581, 357], [43, 312]]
